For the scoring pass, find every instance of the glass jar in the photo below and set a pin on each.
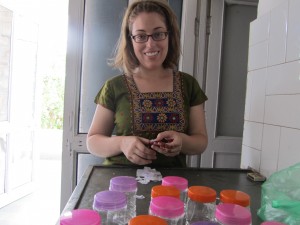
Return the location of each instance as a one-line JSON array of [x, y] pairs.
[[179, 182], [147, 220], [232, 214], [201, 204], [80, 216], [168, 208], [160, 190], [111, 205], [235, 197], [127, 185]]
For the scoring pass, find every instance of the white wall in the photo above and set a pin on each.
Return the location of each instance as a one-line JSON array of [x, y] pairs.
[[271, 139]]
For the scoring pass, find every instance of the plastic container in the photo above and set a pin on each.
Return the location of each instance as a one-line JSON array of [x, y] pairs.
[[205, 223], [272, 223], [127, 185], [147, 220], [179, 182], [111, 205], [160, 190], [235, 197], [168, 208], [232, 214], [80, 216], [201, 204]]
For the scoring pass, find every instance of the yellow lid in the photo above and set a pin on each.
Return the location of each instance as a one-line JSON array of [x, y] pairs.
[[235, 197], [160, 190], [202, 194], [147, 220]]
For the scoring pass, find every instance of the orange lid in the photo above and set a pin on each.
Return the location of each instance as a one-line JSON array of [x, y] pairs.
[[202, 194], [147, 220], [235, 197], [160, 190]]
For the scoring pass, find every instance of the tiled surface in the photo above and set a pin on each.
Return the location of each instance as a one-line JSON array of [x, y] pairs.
[[289, 152], [270, 148], [248, 97], [284, 79], [250, 158], [259, 29], [257, 100], [258, 56], [253, 134], [293, 39], [278, 34]]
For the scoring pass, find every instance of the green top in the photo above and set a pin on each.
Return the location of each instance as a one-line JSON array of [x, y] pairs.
[[147, 114]]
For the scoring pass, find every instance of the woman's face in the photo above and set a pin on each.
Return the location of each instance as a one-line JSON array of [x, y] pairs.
[[151, 54]]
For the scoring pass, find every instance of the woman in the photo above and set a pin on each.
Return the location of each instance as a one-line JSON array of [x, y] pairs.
[[155, 110]]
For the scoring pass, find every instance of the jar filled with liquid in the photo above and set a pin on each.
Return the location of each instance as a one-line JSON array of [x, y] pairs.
[[111, 206], [168, 208], [179, 182], [232, 214], [80, 216], [127, 185], [147, 220], [201, 204]]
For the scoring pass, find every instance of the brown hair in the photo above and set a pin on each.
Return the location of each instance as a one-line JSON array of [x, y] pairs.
[[125, 58]]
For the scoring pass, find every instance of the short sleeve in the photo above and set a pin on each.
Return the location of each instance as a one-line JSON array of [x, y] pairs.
[[105, 96]]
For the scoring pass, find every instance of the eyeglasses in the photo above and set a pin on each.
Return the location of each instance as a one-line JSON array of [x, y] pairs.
[[157, 36]]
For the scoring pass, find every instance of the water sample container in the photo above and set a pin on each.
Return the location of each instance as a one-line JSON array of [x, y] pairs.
[[80, 216], [179, 182], [127, 185], [160, 190], [235, 197], [232, 214], [111, 206], [147, 220]]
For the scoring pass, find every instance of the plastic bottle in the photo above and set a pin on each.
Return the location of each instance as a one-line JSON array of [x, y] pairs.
[[80, 216], [232, 214], [160, 190], [201, 204], [272, 223], [179, 182], [127, 185], [235, 197], [147, 220], [168, 208], [111, 205]]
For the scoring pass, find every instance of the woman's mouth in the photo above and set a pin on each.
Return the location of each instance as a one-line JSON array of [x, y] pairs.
[[151, 53]]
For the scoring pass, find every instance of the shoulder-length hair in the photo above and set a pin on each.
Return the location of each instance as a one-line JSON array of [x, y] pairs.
[[124, 58]]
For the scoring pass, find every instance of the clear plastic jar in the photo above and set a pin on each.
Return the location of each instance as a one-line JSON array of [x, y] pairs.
[[201, 204], [127, 185], [147, 220], [111, 205], [80, 216], [168, 208], [235, 197], [160, 190], [179, 182], [272, 223], [232, 214]]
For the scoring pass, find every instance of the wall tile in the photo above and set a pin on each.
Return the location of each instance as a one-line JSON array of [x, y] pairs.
[[284, 79], [283, 110], [258, 56], [289, 152], [278, 34], [293, 38], [252, 136], [259, 29], [265, 6], [248, 96], [258, 90], [250, 158], [270, 148]]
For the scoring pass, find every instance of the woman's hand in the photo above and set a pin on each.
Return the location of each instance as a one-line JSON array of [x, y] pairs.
[[135, 149], [168, 143]]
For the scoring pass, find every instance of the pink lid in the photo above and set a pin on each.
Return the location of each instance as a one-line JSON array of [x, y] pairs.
[[80, 216], [178, 182], [233, 214], [272, 223], [123, 183], [167, 207]]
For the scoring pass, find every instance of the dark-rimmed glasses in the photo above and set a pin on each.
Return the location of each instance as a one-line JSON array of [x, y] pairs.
[[157, 36]]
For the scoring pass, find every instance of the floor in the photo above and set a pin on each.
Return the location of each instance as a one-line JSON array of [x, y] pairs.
[[42, 207]]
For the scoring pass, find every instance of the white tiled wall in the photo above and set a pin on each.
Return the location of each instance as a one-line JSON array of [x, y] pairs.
[[271, 139]]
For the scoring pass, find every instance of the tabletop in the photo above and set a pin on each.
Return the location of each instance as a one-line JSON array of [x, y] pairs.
[[96, 179]]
